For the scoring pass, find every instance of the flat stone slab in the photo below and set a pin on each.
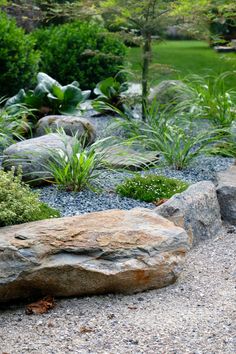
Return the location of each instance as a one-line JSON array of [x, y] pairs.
[[226, 193], [105, 252]]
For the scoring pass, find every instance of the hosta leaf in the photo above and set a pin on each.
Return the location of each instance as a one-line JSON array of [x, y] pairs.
[[46, 80], [18, 98], [57, 91]]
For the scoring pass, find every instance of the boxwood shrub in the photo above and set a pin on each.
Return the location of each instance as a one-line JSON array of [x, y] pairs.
[[18, 204], [79, 51], [18, 59], [150, 188]]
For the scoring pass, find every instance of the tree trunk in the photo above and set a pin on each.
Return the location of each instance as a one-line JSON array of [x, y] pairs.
[[145, 72]]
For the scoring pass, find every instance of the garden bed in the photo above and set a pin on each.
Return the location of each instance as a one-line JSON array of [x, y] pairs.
[[73, 203]]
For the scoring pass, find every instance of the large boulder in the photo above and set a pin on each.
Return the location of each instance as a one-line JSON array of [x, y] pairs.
[[168, 92], [104, 252], [196, 210], [226, 192], [72, 126], [33, 155]]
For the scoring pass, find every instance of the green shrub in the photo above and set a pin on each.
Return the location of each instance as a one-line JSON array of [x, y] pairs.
[[150, 188], [18, 59], [79, 51], [18, 204]]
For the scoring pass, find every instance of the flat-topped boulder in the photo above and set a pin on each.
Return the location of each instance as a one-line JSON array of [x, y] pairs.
[[33, 155], [128, 158], [196, 210], [226, 192], [104, 252], [72, 125]]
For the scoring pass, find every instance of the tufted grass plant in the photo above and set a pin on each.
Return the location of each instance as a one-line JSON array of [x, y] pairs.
[[14, 123], [18, 204], [174, 137], [76, 167], [208, 98], [150, 188]]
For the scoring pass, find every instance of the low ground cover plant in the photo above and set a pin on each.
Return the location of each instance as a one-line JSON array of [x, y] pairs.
[[18, 203], [150, 188]]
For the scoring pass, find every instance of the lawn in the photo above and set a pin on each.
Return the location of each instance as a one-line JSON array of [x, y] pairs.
[[176, 59]]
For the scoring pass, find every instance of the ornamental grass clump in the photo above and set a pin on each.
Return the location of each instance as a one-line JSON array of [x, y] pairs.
[[151, 188], [208, 98], [75, 167], [18, 204], [175, 138]]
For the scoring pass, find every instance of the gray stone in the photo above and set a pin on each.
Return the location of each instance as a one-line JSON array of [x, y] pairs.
[[168, 92], [70, 124], [104, 252], [128, 158], [33, 155], [226, 192], [196, 210]]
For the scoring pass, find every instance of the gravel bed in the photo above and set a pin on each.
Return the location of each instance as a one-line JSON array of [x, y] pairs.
[[204, 168], [71, 203], [196, 315]]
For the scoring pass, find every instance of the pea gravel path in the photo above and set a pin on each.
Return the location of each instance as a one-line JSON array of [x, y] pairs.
[[196, 315]]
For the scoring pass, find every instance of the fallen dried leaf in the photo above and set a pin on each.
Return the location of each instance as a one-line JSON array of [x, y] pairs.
[[132, 307], [110, 316], [50, 324], [160, 201], [85, 329], [41, 306]]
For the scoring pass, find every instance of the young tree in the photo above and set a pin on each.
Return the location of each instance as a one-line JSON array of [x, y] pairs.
[[146, 16]]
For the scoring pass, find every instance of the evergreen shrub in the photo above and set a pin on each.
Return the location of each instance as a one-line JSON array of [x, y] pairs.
[[18, 204], [18, 59], [79, 51]]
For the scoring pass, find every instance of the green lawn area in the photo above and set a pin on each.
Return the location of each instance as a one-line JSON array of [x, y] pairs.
[[176, 59]]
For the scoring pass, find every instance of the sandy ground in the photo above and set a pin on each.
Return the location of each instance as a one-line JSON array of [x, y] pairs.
[[196, 315]]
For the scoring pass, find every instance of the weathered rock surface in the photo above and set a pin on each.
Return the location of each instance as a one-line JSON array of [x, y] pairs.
[[70, 124], [112, 251], [33, 155], [196, 210], [226, 192]]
